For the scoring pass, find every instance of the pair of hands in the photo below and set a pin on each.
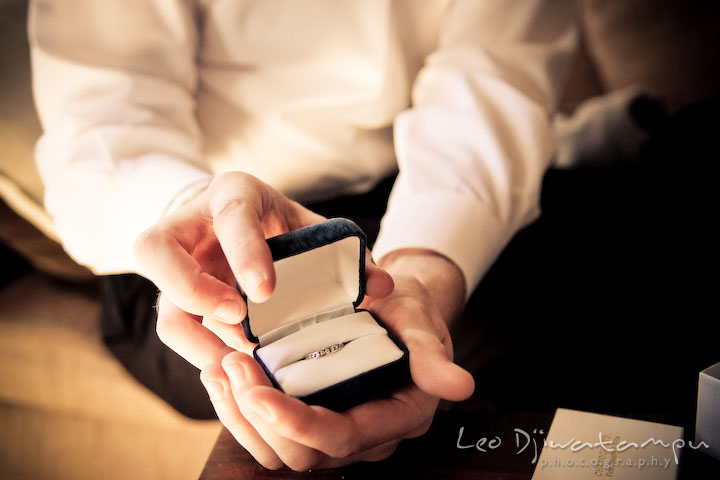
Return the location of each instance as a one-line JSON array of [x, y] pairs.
[[194, 257]]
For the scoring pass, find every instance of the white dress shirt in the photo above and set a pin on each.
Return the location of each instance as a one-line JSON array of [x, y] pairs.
[[142, 101]]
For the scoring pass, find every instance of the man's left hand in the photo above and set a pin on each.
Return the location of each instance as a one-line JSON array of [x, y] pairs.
[[280, 430]]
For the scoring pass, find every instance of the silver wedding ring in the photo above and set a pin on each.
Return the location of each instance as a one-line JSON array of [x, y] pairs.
[[325, 351]]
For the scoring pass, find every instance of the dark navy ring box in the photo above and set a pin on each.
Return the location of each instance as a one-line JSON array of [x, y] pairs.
[[320, 281]]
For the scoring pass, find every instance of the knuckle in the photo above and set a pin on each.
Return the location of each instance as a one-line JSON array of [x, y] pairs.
[[164, 328], [190, 294], [271, 463], [192, 290], [346, 446], [342, 450], [231, 191], [230, 178], [300, 428], [414, 411], [147, 243], [233, 337], [231, 182], [229, 206], [420, 430], [386, 451], [380, 452], [303, 463]]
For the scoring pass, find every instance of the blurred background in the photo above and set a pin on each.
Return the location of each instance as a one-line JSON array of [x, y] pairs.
[[68, 410]]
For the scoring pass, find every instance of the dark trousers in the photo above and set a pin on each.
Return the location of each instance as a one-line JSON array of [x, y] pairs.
[[602, 304]]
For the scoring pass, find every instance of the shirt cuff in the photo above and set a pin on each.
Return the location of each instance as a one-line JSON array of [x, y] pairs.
[[146, 192], [454, 225], [143, 195]]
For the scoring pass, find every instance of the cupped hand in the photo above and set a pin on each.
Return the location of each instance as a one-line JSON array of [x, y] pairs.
[[280, 430]]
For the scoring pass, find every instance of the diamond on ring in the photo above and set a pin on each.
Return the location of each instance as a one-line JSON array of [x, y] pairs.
[[325, 351]]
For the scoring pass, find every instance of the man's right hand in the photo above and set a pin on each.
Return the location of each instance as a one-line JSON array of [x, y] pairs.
[[195, 255]]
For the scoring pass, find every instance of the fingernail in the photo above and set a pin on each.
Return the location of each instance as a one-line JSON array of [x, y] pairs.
[[236, 373], [216, 390], [230, 311], [252, 281], [372, 260], [263, 412]]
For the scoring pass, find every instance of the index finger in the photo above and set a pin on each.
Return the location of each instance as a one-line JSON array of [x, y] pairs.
[[237, 224], [187, 337], [243, 210], [163, 253]]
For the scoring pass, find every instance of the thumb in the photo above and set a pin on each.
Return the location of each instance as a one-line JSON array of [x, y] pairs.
[[432, 371], [378, 282]]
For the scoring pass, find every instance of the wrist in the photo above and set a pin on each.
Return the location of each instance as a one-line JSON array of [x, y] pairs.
[[440, 276]]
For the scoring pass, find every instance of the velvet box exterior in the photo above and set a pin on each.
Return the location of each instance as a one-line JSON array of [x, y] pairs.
[[320, 281]]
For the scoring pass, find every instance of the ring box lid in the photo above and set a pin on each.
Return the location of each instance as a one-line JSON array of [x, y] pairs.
[[320, 275]]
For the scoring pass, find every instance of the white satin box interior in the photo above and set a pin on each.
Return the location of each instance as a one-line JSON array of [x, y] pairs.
[[313, 342]]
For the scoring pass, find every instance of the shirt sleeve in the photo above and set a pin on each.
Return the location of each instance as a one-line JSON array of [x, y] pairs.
[[114, 84], [474, 146]]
